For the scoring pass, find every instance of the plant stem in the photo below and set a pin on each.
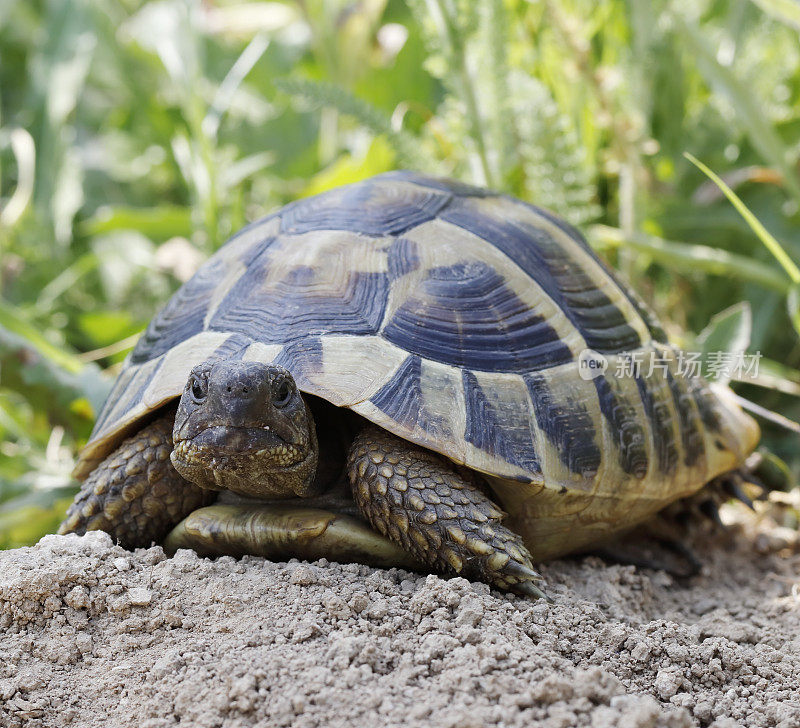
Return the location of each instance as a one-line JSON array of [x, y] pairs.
[[453, 38]]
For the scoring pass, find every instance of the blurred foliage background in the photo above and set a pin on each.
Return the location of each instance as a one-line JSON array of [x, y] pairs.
[[135, 137]]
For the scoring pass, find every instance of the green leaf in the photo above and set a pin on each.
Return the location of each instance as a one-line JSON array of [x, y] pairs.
[[49, 377], [16, 331], [230, 84], [774, 375], [157, 223], [65, 280], [106, 327], [793, 307], [69, 57], [124, 255], [346, 170], [169, 28], [233, 175], [728, 332], [28, 517], [779, 370], [24, 149]]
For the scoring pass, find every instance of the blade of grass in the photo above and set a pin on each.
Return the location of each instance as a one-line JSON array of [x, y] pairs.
[[768, 240], [767, 381], [445, 16], [65, 280], [793, 307], [691, 257], [773, 417], [22, 332], [230, 84], [779, 370], [52, 380]]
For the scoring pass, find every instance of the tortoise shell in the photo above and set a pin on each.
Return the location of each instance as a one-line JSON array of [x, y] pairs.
[[455, 318]]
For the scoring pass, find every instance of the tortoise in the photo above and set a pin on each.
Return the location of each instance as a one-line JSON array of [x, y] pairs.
[[404, 371]]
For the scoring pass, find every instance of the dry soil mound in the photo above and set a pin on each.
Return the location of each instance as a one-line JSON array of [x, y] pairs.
[[96, 636]]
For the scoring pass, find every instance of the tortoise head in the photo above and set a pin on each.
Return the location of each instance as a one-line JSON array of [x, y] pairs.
[[244, 426]]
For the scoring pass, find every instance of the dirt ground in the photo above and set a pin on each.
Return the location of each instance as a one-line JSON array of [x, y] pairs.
[[97, 636]]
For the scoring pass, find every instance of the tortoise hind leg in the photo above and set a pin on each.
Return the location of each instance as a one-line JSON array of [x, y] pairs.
[[419, 501], [135, 494]]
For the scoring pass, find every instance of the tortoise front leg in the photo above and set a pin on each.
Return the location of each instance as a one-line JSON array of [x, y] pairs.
[[418, 500], [135, 494]]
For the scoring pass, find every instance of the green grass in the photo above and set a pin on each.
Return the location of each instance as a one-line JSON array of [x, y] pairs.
[[136, 137]]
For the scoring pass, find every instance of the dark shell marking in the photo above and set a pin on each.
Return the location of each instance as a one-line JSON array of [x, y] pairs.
[[392, 210], [568, 426], [504, 434], [401, 397], [182, 317], [465, 315], [297, 306], [692, 439], [625, 428], [466, 311], [602, 325], [659, 414]]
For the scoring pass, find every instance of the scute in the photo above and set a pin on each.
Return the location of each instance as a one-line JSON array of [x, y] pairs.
[[182, 317], [499, 423], [568, 428], [561, 272], [326, 295], [365, 209], [688, 420], [655, 399], [401, 397], [449, 315], [465, 315]]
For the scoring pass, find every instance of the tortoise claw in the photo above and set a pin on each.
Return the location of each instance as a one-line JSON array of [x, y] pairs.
[[527, 578], [514, 568], [734, 487], [711, 511], [530, 589]]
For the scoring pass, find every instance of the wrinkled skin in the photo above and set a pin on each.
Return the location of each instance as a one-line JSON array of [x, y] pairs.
[[247, 429]]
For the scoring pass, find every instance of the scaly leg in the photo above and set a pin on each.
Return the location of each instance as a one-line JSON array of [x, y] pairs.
[[418, 500], [135, 494]]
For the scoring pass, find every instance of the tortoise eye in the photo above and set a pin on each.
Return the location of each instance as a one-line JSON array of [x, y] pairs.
[[282, 393], [198, 389]]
